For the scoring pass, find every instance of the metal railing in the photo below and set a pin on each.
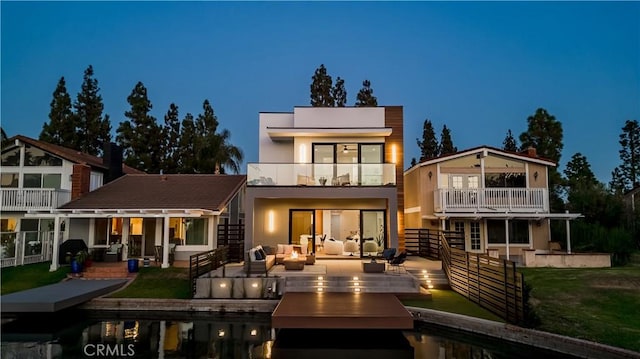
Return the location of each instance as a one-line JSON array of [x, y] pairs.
[[498, 199], [24, 199], [205, 262], [321, 174]]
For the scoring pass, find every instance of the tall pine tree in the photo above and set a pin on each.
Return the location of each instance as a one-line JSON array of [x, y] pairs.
[[544, 133], [365, 96], [140, 137], [171, 136], [428, 144], [509, 143], [339, 93], [446, 143], [321, 88], [206, 142], [61, 129], [187, 150], [93, 129], [630, 154]]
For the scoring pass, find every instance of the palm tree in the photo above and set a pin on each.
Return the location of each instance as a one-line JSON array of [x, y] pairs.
[[226, 155]]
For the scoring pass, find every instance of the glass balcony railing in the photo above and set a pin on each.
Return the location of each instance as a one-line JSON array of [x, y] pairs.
[[321, 174]]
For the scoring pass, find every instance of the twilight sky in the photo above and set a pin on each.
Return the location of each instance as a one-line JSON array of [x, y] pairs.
[[480, 68]]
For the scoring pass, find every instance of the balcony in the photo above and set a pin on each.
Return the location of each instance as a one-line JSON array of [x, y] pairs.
[[321, 174], [524, 200], [24, 199]]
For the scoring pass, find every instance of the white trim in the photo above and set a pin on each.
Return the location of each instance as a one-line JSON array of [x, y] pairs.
[[281, 133], [510, 215], [140, 213]]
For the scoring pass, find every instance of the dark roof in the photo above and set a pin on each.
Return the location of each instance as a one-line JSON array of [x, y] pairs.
[[179, 191], [522, 154], [71, 154]]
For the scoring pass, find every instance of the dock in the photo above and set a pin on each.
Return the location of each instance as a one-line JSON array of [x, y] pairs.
[[341, 311], [55, 297]]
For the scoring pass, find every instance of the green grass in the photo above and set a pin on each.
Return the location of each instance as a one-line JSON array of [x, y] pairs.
[[452, 302], [155, 282], [601, 305], [15, 279]]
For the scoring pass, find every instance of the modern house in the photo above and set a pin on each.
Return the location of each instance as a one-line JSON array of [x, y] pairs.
[[39, 176], [155, 215], [499, 199], [328, 180]]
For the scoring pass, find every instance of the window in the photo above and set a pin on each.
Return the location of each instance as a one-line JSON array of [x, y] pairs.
[[196, 231], [39, 180], [475, 235], [11, 157], [472, 182], [518, 231], [9, 180], [32, 180], [37, 157], [517, 180], [100, 231], [456, 182]]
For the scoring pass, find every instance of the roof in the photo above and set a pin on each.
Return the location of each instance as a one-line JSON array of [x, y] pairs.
[[516, 155], [157, 192], [71, 154]]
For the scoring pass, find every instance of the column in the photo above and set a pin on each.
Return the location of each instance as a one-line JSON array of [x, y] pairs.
[[568, 225], [506, 235], [56, 245], [165, 242], [125, 238]]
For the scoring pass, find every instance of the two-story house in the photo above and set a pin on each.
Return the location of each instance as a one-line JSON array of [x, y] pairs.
[[329, 180], [499, 199], [39, 176]]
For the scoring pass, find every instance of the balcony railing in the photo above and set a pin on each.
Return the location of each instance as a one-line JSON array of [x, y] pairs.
[[24, 199], [491, 199], [324, 174]]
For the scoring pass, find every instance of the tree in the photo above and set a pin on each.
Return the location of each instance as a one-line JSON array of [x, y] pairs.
[[544, 133], [3, 137], [365, 96], [321, 88], [227, 155], [618, 184], [630, 154], [339, 93], [187, 150], [509, 143], [61, 129], [93, 129], [171, 137], [446, 144], [140, 137], [583, 189], [578, 172], [413, 161], [429, 144]]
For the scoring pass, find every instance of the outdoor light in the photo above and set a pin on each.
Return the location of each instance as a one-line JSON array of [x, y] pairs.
[[535, 175], [223, 285], [356, 290], [355, 278], [319, 289], [254, 332], [254, 285], [430, 175], [345, 149], [320, 277], [221, 333], [394, 155], [271, 222]]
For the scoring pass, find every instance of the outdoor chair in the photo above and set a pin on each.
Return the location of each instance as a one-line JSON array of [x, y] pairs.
[[388, 254], [114, 253], [159, 254], [397, 263]]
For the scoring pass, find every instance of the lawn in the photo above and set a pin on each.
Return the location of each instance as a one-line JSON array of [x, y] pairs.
[[155, 282], [601, 305], [452, 302], [15, 279]]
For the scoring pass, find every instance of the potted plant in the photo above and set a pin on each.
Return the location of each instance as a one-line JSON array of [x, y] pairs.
[[78, 261], [323, 180]]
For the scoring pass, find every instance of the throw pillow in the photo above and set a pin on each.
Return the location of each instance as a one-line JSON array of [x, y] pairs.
[[288, 248], [280, 249], [263, 254], [252, 254], [258, 255]]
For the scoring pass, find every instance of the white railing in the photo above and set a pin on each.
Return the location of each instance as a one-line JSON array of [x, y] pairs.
[[25, 248], [491, 199], [321, 174], [24, 199]]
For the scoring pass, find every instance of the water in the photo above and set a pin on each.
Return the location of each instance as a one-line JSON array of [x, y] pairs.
[[76, 334]]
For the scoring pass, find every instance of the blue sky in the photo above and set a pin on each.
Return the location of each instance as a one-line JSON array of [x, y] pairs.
[[478, 67]]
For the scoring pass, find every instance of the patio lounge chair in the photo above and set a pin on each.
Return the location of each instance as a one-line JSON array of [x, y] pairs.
[[397, 263], [114, 253]]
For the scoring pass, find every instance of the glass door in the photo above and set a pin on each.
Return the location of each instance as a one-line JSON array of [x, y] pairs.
[[373, 229], [302, 229]]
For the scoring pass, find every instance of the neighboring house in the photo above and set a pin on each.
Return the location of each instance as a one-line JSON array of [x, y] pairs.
[[499, 199], [328, 173], [39, 176], [632, 199], [149, 213]]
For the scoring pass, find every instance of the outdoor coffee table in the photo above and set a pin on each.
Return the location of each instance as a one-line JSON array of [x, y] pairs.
[[373, 267], [294, 263]]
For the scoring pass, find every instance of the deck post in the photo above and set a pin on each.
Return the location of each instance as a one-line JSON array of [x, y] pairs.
[[165, 242], [56, 245], [506, 236], [568, 234]]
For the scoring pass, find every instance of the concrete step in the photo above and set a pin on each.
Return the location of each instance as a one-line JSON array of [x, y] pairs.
[[365, 284], [97, 272]]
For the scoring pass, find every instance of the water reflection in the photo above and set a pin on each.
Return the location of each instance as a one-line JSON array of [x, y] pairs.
[[184, 335]]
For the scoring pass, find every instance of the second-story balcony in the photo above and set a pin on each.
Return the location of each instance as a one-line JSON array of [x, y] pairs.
[[321, 174], [25, 199], [526, 200]]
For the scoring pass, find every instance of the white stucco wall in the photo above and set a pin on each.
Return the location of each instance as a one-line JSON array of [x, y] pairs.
[[327, 117], [270, 151]]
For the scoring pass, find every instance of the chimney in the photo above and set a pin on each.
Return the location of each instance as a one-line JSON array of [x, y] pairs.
[[80, 180], [112, 159], [531, 152]]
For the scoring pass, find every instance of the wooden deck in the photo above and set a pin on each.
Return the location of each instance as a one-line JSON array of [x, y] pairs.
[[54, 297], [341, 310]]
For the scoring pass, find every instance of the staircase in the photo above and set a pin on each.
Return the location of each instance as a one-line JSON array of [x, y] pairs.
[[118, 270], [430, 279], [381, 283]]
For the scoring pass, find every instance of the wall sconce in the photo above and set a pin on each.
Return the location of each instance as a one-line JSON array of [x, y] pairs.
[[302, 153], [345, 149], [394, 154], [535, 175], [271, 222], [430, 175]]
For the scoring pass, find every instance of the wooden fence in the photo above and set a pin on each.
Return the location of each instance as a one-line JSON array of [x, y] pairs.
[[492, 283], [204, 262], [425, 242], [232, 237]]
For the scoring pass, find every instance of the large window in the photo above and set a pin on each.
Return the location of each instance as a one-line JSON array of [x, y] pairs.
[[11, 157], [518, 231], [196, 231], [505, 180], [37, 157], [40, 180], [9, 180]]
